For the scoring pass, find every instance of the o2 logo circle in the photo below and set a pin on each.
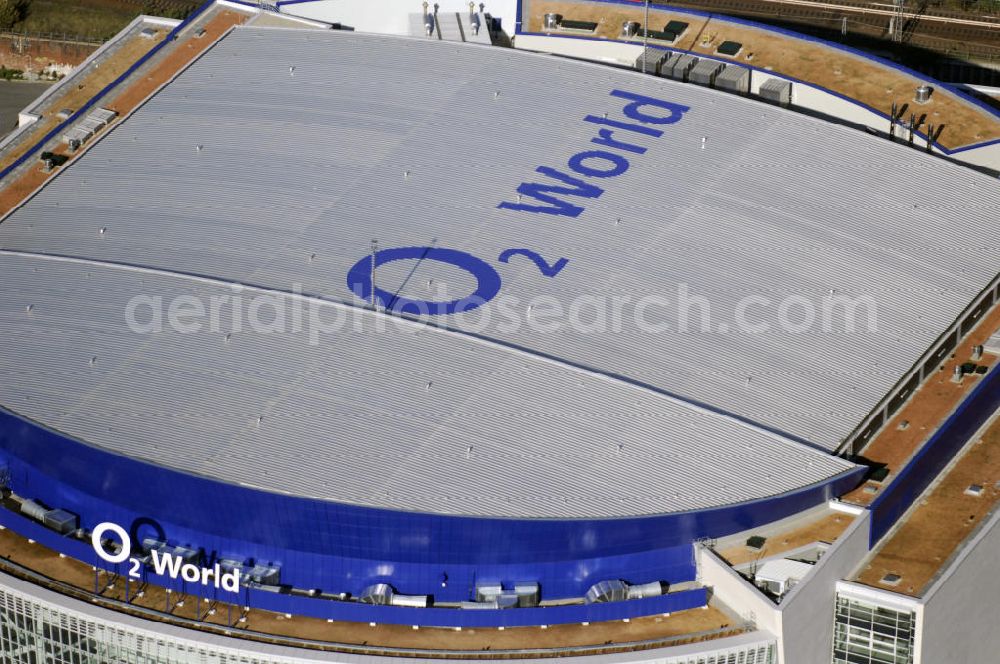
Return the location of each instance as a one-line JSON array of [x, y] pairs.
[[165, 561], [126, 542], [488, 280]]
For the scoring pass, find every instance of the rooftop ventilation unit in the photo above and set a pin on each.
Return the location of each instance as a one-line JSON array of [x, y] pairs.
[[61, 521], [525, 594], [104, 115], [704, 72], [667, 64], [507, 601], [681, 66], [577, 26], [730, 48], [650, 60], [77, 136], [676, 27], [265, 575], [412, 601], [87, 127], [552, 21], [891, 579], [781, 575], [652, 589], [528, 594], [992, 344], [186, 554], [630, 29], [776, 91], [52, 160], [923, 94], [377, 593], [734, 79], [33, 510], [228, 565], [613, 590], [149, 545], [487, 592]]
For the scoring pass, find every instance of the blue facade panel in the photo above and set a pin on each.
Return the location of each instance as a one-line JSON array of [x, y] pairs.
[[343, 548], [936, 453], [362, 613]]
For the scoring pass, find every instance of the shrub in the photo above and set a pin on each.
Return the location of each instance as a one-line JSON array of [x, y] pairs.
[[11, 74], [11, 12]]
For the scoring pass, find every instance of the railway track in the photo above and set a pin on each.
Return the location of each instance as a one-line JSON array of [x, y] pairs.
[[879, 9]]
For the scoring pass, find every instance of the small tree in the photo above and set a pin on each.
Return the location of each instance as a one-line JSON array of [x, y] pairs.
[[12, 12]]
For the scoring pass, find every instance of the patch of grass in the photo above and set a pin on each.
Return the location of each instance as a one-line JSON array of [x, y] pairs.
[[95, 20], [90, 19]]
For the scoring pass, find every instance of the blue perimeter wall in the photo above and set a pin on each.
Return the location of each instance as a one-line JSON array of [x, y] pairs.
[[343, 548], [936, 453]]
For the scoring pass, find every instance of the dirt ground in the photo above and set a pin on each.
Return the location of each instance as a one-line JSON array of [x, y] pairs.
[[926, 409], [831, 68], [680, 627], [124, 100], [827, 529], [943, 520], [179, 57]]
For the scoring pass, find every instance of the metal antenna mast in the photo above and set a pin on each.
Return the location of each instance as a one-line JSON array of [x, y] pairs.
[[645, 37], [374, 251], [897, 22]]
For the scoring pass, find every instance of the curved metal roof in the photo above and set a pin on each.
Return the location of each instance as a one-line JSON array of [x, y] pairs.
[[274, 159]]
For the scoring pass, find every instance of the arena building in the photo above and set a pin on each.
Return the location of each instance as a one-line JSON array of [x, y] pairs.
[[308, 332]]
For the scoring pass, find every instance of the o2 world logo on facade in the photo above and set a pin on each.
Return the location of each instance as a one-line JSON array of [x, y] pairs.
[[563, 194], [164, 563]]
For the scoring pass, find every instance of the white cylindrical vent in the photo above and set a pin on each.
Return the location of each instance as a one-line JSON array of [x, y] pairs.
[[923, 94], [32, 509], [652, 589], [552, 21], [412, 601]]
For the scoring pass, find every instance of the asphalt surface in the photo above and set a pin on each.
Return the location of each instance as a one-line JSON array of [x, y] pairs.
[[14, 96]]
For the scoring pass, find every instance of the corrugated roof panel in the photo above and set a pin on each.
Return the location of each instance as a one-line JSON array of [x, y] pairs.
[[423, 420], [295, 174]]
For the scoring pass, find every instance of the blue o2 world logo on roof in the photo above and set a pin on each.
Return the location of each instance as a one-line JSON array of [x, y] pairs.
[[487, 278], [359, 280], [617, 141]]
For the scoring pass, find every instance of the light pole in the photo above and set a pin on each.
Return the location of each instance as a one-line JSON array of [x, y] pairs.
[[645, 36]]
